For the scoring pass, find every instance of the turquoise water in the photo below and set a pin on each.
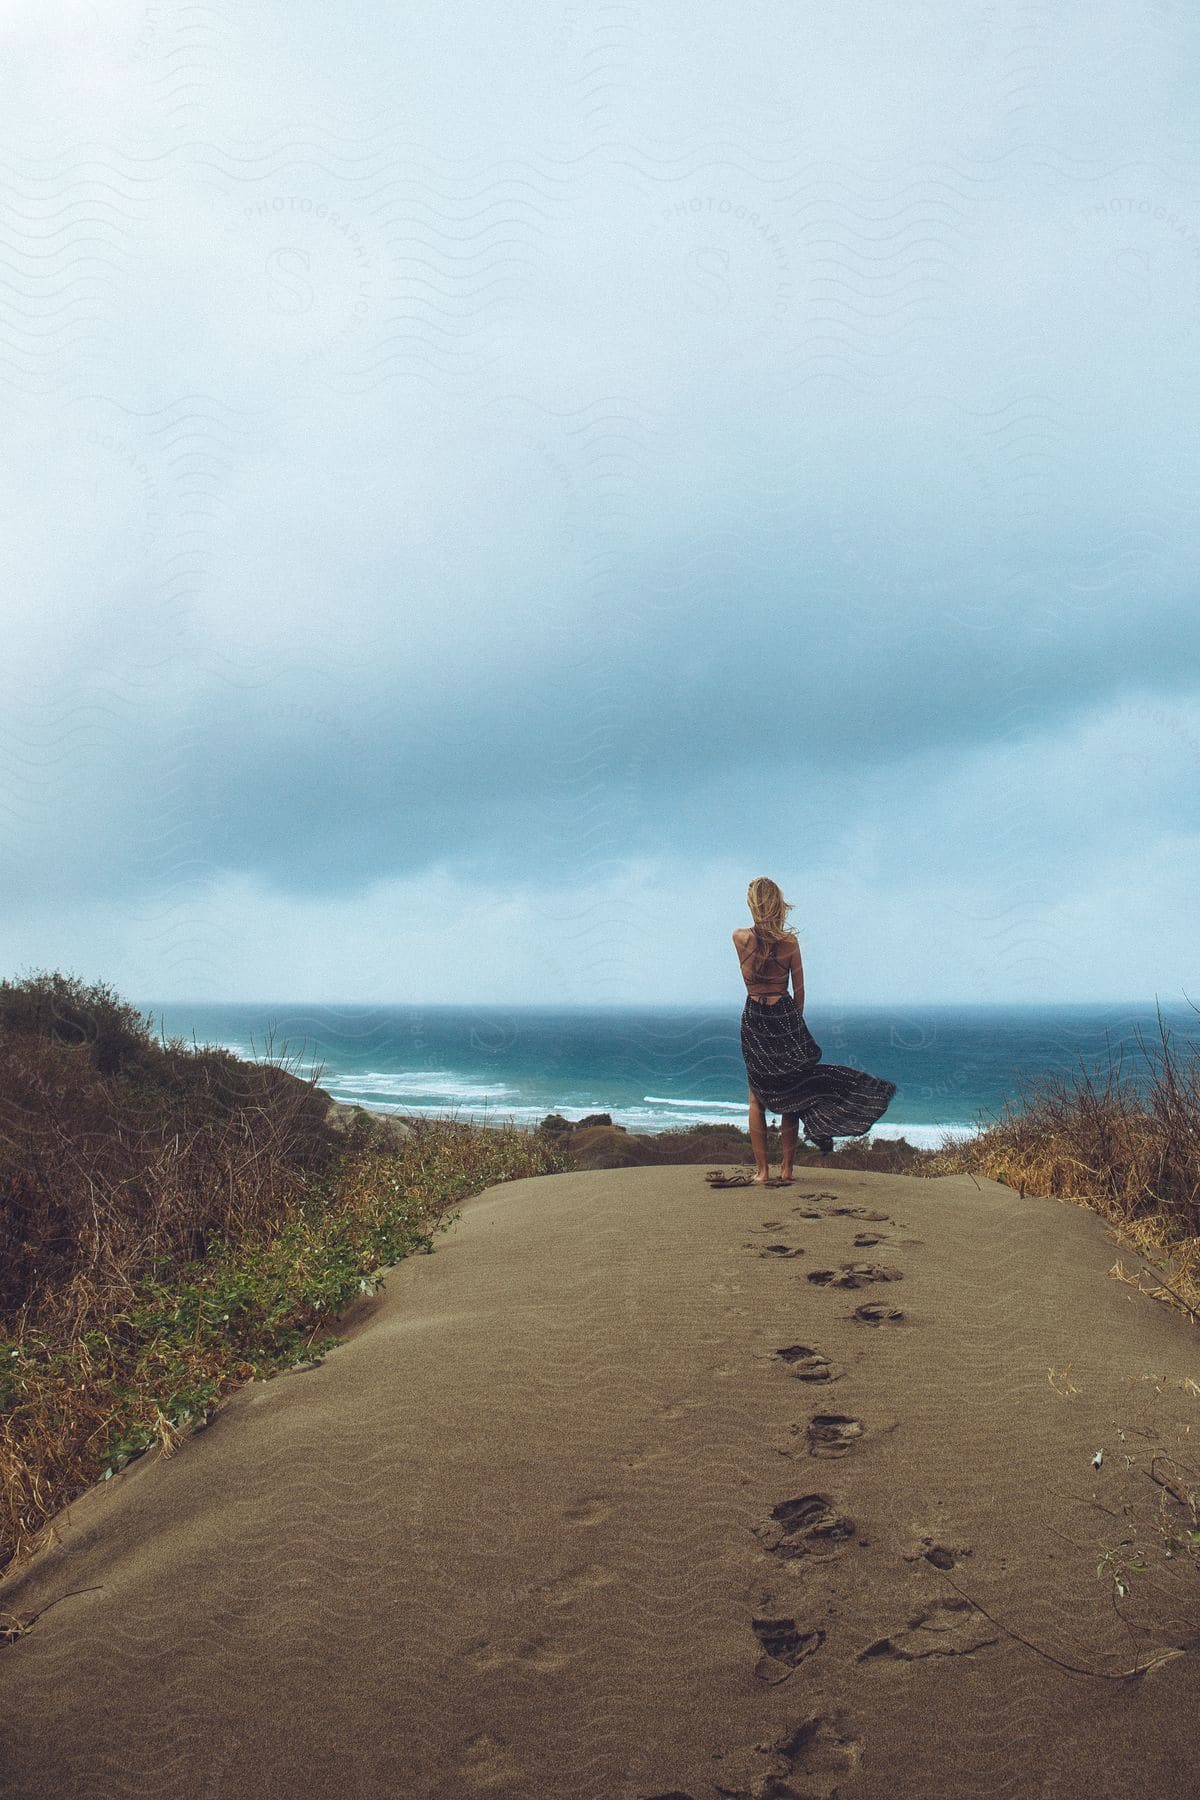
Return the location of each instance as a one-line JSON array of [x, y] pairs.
[[656, 1068]]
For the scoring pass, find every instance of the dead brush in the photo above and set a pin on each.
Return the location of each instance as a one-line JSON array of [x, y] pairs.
[[174, 1222], [1130, 1154]]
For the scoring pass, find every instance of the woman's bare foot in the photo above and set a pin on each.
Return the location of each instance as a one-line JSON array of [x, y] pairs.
[[785, 1177], [760, 1180]]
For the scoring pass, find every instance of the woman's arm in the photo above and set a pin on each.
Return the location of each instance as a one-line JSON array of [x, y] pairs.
[[797, 968]]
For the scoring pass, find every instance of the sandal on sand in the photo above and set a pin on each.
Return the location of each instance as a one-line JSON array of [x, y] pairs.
[[716, 1178]]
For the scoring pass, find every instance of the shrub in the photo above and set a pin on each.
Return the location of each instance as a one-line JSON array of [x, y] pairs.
[[62, 1009]]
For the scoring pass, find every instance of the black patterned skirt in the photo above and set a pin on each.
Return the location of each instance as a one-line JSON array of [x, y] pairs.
[[785, 1072]]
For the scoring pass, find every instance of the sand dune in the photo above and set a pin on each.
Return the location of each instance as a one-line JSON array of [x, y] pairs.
[[636, 1488]]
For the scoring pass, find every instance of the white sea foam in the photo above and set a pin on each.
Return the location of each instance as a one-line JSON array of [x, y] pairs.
[[923, 1137], [704, 1105], [638, 1119], [426, 1084]]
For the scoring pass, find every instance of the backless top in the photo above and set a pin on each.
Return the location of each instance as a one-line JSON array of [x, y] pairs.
[[767, 972]]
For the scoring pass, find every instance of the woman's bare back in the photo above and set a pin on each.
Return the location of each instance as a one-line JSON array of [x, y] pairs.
[[784, 954]]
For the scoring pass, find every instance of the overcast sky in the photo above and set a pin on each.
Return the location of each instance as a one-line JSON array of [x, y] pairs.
[[483, 484]]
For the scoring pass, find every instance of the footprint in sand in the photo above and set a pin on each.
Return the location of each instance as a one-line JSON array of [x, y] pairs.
[[536, 1653], [859, 1212], [864, 1238], [485, 1761], [805, 1363], [874, 1312], [832, 1434], [809, 1525], [853, 1275], [780, 1250], [563, 1589], [951, 1627], [812, 1759], [942, 1556], [588, 1510], [784, 1645]]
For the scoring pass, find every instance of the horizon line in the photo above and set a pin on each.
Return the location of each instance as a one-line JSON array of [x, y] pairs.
[[656, 1005]]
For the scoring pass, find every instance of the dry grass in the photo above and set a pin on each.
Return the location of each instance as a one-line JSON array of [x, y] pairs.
[[175, 1222], [1132, 1156]]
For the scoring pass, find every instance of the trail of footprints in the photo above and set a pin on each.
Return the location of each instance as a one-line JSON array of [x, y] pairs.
[[816, 1756]]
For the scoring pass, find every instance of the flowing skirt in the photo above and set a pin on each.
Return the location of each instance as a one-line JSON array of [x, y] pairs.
[[785, 1072]]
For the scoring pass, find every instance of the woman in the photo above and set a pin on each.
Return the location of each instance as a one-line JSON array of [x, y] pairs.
[[783, 1059]]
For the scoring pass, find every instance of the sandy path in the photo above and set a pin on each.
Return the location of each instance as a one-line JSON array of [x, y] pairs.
[[518, 1536]]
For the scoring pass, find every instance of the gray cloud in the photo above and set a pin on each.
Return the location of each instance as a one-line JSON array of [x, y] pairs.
[[581, 442]]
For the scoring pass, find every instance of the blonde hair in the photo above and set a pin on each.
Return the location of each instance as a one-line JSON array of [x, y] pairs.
[[768, 908]]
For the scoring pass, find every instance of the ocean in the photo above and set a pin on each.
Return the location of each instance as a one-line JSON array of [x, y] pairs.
[[656, 1068]]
